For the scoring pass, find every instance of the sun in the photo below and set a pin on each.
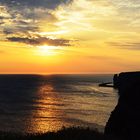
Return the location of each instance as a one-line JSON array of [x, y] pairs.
[[49, 50]]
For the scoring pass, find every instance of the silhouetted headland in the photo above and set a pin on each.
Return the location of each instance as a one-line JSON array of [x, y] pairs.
[[124, 121]]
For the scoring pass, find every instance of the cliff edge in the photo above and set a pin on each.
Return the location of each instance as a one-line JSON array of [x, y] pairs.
[[124, 120]]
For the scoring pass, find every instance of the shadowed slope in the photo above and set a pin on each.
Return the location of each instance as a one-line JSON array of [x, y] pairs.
[[125, 119]]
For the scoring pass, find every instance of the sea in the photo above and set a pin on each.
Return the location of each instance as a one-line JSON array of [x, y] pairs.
[[44, 103]]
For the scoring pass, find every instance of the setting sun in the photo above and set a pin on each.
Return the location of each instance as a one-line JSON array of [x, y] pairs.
[[48, 50]]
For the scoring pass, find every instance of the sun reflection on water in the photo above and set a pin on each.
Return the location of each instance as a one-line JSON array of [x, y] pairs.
[[48, 116]]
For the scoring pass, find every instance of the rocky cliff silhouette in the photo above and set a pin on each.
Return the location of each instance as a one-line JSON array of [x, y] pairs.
[[124, 121]]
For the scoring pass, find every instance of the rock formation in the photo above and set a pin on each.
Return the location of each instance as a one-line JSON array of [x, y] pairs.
[[124, 121]]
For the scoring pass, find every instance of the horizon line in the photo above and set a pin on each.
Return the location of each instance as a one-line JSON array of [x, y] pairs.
[[74, 73]]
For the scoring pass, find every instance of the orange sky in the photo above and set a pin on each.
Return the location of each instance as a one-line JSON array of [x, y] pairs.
[[79, 36]]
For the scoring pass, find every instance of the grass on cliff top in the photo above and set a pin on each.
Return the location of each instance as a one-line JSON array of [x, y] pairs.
[[73, 133]]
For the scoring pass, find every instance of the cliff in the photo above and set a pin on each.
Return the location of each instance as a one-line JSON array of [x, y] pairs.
[[124, 120]]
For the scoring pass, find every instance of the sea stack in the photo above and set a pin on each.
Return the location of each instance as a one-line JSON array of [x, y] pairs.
[[124, 121]]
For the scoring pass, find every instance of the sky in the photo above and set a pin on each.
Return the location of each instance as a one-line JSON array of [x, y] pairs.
[[69, 36]]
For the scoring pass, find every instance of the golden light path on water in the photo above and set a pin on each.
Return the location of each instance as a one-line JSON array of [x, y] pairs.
[[47, 115], [55, 109]]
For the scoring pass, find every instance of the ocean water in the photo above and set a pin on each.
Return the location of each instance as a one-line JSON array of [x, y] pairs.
[[42, 103]]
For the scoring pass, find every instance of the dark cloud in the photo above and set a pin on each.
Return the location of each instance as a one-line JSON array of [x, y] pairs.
[[35, 41], [22, 22], [18, 23], [7, 31], [126, 45], [19, 29], [2, 17], [24, 17], [50, 4], [1, 22], [25, 29], [36, 14]]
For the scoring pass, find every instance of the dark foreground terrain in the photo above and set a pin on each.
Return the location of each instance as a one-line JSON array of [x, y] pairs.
[[124, 120], [64, 134]]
